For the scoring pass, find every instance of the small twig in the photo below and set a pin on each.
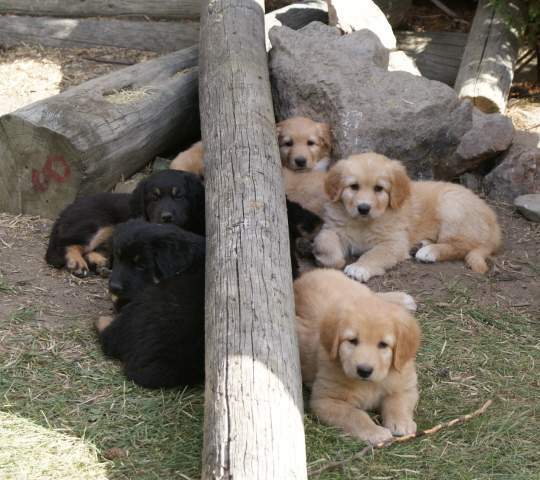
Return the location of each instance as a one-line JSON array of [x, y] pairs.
[[389, 441], [119, 62], [450, 13]]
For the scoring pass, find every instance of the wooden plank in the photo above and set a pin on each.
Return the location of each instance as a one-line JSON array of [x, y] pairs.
[[253, 397], [84, 33], [170, 9]]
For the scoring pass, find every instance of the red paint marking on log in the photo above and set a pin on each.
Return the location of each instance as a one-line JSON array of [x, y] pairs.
[[49, 174]]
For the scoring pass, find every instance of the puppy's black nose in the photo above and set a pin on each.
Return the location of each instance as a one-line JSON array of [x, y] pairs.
[[364, 370], [115, 287], [166, 217], [300, 162], [364, 208]]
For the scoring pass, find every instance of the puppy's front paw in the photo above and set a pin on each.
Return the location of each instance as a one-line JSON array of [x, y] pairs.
[[400, 426], [426, 254], [357, 273], [77, 268], [376, 435]]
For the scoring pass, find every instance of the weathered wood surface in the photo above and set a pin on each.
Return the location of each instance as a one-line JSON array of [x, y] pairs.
[[437, 54], [79, 142], [84, 33], [253, 400], [172, 9], [489, 60]]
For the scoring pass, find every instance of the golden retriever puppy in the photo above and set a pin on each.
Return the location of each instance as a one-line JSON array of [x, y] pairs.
[[306, 188], [377, 212], [190, 160], [357, 353], [304, 144]]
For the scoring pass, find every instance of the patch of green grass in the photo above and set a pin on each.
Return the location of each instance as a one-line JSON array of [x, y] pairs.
[[57, 379]]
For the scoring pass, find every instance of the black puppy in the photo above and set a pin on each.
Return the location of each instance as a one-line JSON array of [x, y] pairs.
[[80, 237], [145, 253], [160, 335], [301, 222], [171, 196]]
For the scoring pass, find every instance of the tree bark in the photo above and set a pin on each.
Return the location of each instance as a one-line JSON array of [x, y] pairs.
[[79, 142], [172, 9], [253, 402], [82, 33], [487, 68]]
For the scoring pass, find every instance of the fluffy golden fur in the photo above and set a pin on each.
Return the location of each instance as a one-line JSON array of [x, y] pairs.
[[377, 212], [306, 189], [190, 160], [357, 353], [304, 144]]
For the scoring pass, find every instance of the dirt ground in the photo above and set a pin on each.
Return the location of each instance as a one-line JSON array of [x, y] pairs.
[[28, 73]]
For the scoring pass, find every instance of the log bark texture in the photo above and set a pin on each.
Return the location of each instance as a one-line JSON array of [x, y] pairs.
[[489, 60], [79, 142], [172, 9], [253, 402], [84, 33], [436, 54]]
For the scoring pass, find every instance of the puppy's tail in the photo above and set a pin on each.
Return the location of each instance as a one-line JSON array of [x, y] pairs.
[[476, 258]]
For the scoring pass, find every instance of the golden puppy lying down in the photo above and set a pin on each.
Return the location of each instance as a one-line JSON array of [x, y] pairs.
[[304, 144], [377, 212], [190, 160], [356, 354]]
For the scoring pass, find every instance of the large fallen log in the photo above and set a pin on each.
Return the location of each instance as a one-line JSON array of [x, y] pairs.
[[253, 397], [87, 138], [489, 60], [78, 142], [172, 9], [84, 33]]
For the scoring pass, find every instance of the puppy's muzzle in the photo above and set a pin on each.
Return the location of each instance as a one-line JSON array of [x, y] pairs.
[[364, 209], [300, 162], [364, 371], [115, 288]]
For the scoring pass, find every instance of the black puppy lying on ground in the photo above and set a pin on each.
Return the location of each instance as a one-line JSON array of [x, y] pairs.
[[145, 253], [80, 237], [160, 335], [171, 196]]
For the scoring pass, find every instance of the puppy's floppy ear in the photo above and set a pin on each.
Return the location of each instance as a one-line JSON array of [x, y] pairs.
[[170, 253], [279, 129], [400, 188], [331, 327], [138, 200], [332, 183], [323, 132], [407, 339], [196, 192]]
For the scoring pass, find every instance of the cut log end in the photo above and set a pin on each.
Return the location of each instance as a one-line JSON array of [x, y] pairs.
[[484, 104], [42, 171]]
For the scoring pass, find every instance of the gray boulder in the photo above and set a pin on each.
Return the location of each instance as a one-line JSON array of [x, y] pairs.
[[344, 81], [529, 206], [489, 136], [518, 173]]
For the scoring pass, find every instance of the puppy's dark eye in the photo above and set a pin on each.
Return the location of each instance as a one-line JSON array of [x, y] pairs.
[[179, 196], [378, 188], [310, 143], [355, 186], [289, 143], [353, 341], [154, 198], [382, 345]]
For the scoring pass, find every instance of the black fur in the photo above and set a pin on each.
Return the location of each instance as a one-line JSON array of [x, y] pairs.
[[145, 253], [301, 221], [160, 335], [171, 196], [80, 221]]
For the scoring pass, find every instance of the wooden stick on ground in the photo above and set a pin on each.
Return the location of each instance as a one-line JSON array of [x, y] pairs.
[[389, 441]]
